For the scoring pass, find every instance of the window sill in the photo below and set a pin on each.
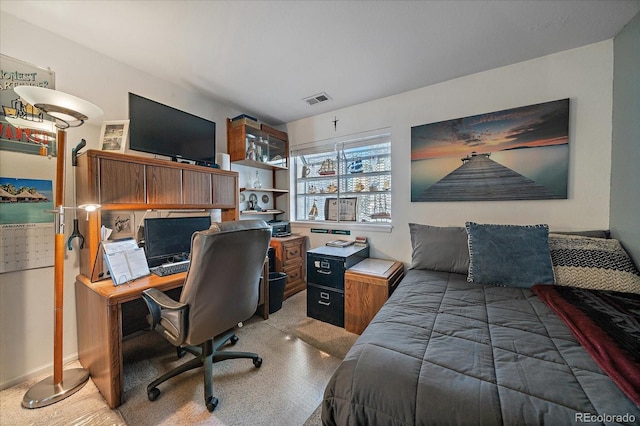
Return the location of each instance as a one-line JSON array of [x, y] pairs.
[[381, 227]]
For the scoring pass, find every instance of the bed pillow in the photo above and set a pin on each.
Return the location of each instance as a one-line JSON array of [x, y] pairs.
[[593, 263], [439, 248], [509, 255]]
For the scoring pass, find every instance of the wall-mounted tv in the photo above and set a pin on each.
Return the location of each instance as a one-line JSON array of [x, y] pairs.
[[163, 130]]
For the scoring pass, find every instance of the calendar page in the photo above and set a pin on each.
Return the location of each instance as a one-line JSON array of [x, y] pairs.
[[26, 224]]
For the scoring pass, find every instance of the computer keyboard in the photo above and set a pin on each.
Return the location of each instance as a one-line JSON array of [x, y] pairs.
[[171, 268]]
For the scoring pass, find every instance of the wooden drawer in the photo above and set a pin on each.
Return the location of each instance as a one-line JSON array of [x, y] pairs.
[[294, 272], [292, 252]]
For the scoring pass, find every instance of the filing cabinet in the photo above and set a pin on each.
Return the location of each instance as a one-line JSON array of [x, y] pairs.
[[289, 258], [326, 267]]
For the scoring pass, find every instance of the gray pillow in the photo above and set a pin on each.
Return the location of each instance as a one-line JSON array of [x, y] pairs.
[[439, 248], [509, 255]]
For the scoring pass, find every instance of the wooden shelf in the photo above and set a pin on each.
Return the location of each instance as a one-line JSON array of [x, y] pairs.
[[259, 165], [281, 191], [252, 212]]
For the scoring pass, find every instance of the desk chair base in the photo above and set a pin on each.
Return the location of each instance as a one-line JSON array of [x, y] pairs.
[[206, 355]]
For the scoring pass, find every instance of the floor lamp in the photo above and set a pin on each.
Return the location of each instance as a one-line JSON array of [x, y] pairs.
[[68, 111]]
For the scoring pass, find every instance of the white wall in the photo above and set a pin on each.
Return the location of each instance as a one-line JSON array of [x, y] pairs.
[[625, 173], [26, 297], [584, 75]]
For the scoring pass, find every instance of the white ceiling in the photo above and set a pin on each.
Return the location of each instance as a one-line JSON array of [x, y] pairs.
[[264, 57]]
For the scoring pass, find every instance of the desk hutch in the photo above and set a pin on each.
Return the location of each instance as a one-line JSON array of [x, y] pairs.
[[126, 182]]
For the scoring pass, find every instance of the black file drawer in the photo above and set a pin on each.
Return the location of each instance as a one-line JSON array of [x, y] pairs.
[[326, 265], [325, 304]]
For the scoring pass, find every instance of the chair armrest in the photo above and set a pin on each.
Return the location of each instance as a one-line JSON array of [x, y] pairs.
[[157, 301]]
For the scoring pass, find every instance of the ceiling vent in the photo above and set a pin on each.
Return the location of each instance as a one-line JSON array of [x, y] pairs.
[[316, 99]]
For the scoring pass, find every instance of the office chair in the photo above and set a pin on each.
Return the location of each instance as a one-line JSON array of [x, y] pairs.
[[220, 291]]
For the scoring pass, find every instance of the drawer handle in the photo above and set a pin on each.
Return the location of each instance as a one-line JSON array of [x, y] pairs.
[[320, 271], [324, 295]]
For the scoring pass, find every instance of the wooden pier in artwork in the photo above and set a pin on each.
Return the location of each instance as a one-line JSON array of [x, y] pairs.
[[481, 179]]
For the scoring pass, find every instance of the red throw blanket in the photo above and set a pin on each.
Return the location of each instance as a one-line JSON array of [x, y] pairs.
[[607, 324]]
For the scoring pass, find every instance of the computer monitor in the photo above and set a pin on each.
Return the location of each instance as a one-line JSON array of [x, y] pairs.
[[169, 239]]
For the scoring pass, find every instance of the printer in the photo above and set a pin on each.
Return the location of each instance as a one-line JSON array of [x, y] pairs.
[[280, 228]]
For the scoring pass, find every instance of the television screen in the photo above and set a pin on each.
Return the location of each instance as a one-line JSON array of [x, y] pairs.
[[163, 130], [169, 239]]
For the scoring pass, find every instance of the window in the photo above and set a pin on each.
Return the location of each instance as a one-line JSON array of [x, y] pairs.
[[344, 180]]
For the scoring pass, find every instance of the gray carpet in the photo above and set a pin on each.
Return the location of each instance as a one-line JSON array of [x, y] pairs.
[[299, 354]]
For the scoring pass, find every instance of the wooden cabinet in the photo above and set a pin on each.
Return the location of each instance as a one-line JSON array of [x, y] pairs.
[[266, 148], [367, 286], [290, 254], [127, 182]]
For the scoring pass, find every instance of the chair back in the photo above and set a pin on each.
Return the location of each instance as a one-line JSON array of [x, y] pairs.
[[222, 284]]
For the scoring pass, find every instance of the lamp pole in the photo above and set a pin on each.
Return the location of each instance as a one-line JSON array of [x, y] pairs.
[[65, 109], [58, 279]]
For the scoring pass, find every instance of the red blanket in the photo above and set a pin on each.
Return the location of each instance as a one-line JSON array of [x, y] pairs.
[[607, 324]]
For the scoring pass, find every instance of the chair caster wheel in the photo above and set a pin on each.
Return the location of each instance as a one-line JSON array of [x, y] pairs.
[[234, 339], [212, 404], [153, 394], [257, 362]]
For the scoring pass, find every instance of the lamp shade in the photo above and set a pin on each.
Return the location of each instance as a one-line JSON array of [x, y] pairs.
[[45, 126], [60, 105]]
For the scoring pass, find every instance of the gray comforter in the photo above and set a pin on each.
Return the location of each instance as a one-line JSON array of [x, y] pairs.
[[443, 351]]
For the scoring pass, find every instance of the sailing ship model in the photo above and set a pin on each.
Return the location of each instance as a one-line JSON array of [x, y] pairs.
[[381, 212], [313, 213], [328, 167]]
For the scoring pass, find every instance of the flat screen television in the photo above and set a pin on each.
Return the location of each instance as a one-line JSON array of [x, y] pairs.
[[163, 130], [168, 239]]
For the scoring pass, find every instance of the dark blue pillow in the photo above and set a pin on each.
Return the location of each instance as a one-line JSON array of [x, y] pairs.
[[509, 255]]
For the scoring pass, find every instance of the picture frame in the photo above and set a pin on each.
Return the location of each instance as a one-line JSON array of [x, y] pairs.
[[114, 135], [122, 224], [519, 153], [17, 139], [345, 209]]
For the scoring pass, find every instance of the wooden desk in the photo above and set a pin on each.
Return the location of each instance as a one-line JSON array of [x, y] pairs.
[[100, 325]]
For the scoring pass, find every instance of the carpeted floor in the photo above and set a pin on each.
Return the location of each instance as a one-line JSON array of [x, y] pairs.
[[299, 354]]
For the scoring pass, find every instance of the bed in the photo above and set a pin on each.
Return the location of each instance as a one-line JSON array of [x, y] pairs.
[[449, 348]]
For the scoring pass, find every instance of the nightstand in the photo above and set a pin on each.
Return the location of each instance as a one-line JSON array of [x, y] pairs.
[[367, 285], [290, 258]]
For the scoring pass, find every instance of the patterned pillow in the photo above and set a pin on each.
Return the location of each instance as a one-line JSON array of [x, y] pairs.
[[509, 255], [593, 263]]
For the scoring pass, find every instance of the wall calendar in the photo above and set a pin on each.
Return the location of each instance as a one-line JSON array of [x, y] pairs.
[[26, 224]]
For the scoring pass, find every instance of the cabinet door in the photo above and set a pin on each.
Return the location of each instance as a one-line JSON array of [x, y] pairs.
[[121, 182], [164, 185], [225, 188], [196, 188], [236, 142]]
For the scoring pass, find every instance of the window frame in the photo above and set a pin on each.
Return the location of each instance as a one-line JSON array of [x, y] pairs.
[[369, 154]]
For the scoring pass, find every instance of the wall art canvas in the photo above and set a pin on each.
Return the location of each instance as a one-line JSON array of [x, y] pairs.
[[13, 73], [515, 154]]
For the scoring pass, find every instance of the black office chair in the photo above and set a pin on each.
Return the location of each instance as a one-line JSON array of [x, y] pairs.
[[220, 291]]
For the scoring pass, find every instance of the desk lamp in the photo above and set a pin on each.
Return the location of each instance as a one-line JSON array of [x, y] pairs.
[[68, 111]]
